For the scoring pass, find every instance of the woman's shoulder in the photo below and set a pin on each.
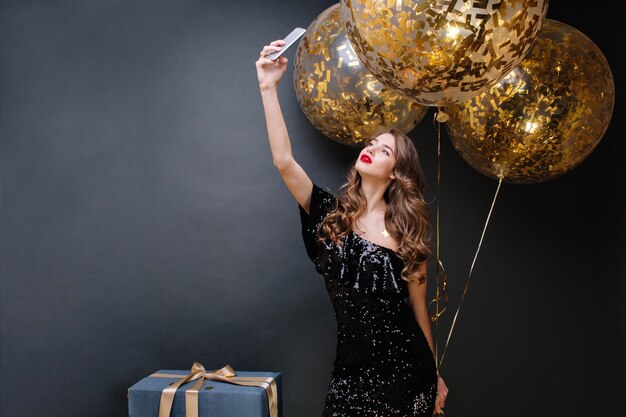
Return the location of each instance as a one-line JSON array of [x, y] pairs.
[[322, 200], [323, 192]]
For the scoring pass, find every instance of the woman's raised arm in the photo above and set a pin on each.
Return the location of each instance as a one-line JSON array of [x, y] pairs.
[[269, 74]]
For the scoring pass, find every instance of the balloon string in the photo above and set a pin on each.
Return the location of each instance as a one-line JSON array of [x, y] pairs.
[[438, 239], [472, 267], [440, 271]]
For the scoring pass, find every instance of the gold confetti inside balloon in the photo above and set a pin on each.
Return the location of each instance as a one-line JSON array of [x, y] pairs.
[[544, 117], [441, 51], [338, 95]]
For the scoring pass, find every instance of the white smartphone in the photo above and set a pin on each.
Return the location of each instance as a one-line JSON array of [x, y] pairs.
[[289, 40]]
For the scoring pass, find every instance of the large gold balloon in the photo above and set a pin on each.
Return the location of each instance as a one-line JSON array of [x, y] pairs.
[[544, 117], [338, 95], [441, 51]]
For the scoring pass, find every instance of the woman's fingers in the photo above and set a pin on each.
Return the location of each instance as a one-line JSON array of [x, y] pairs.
[[266, 61], [440, 400], [267, 49], [442, 393], [273, 46], [438, 408]]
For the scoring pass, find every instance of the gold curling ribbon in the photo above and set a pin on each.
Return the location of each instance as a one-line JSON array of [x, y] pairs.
[[199, 374], [439, 117], [500, 177]]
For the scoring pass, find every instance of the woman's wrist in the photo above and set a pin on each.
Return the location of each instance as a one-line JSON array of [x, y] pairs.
[[268, 87]]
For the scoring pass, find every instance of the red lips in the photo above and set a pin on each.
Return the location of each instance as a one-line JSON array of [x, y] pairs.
[[365, 158]]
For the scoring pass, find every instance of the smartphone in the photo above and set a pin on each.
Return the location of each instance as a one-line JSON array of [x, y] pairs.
[[289, 40]]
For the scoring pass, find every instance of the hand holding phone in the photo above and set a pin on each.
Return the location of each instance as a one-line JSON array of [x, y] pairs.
[[289, 40]]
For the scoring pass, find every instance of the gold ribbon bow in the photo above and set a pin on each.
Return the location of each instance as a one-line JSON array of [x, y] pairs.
[[225, 374]]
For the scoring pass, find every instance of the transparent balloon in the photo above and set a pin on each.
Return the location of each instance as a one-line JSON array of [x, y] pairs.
[[337, 93], [441, 51], [545, 117]]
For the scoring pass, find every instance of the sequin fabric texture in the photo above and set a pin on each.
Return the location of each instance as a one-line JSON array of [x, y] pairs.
[[383, 366]]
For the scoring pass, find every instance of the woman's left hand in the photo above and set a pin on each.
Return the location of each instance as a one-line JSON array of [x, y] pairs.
[[442, 393]]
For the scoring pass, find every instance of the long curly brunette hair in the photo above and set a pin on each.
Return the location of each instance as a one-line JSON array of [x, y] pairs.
[[407, 217]]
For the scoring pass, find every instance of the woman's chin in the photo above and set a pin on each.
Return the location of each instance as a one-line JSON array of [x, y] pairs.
[[360, 168], [368, 174]]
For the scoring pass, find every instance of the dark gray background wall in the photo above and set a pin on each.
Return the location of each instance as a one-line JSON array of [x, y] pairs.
[[144, 227]]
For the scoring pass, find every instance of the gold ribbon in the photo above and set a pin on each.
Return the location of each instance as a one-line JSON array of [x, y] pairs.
[[482, 236], [225, 374], [439, 117]]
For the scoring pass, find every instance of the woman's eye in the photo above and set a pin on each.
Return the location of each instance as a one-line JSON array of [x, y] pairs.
[[386, 152]]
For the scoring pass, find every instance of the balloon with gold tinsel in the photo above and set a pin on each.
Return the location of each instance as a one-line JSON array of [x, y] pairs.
[[542, 119], [441, 51], [338, 95]]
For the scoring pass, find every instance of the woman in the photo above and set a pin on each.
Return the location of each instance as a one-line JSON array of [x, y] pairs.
[[371, 246]]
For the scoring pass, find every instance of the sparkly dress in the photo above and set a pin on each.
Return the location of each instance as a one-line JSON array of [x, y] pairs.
[[383, 366]]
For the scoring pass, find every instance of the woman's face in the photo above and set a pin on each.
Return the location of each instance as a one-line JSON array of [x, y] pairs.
[[378, 158]]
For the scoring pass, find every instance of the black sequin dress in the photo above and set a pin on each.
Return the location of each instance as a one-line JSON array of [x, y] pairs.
[[383, 366]]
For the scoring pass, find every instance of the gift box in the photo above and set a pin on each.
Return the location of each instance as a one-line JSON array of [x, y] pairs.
[[201, 393]]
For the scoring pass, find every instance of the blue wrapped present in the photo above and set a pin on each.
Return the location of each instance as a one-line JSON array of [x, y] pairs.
[[200, 393]]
